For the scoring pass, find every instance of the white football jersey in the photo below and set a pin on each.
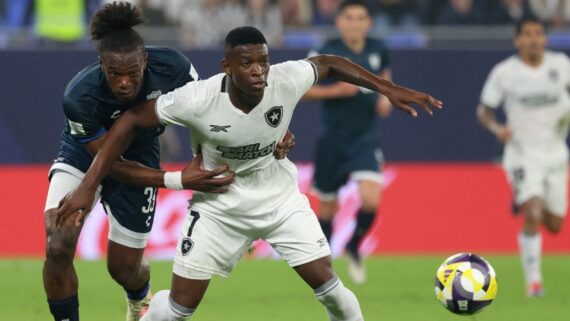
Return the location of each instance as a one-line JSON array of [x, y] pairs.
[[536, 99], [245, 142]]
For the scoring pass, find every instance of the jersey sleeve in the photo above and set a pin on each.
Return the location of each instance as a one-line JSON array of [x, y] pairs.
[[493, 93], [175, 107], [82, 124], [302, 73], [566, 68]]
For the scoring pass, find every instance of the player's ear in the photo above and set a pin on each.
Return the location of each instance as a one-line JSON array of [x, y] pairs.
[[226, 66]]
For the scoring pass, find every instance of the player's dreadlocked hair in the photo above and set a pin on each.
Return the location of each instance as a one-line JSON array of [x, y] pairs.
[[112, 28], [244, 36]]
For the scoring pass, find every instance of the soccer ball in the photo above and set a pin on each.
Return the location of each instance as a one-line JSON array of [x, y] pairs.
[[465, 283]]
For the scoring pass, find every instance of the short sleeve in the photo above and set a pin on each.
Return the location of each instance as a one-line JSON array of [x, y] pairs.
[[492, 95], [81, 122], [302, 72], [175, 107]]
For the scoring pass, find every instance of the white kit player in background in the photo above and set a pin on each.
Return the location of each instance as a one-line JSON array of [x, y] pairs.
[[236, 118], [533, 88]]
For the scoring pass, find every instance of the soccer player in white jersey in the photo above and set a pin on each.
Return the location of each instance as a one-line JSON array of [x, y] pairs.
[[236, 118], [533, 88]]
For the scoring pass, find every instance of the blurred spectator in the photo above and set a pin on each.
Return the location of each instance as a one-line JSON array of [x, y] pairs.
[[205, 23], [460, 12], [296, 12], [60, 21], [395, 12], [16, 14], [505, 11], [553, 12], [266, 17], [325, 11]]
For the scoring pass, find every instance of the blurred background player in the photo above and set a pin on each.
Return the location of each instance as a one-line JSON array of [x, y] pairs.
[[126, 74], [350, 149], [533, 87]]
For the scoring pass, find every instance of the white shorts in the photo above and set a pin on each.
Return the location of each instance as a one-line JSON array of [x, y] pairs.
[[538, 172], [213, 244], [64, 179]]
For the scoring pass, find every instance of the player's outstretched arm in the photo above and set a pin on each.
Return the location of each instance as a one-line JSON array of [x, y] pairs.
[[345, 70]]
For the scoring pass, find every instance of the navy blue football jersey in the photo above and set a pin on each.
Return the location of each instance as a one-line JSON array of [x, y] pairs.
[[90, 107], [353, 116]]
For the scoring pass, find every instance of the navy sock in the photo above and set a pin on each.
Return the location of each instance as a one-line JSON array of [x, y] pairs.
[[139, 294], [363, 222], [326, 226], [66, 309]]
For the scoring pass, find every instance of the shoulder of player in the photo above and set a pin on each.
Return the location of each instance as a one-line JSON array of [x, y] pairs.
[[330, 46], [506, 65], [205, 89], [281, 72], [556, 57], [164, 59], [82, 88], [376, 44]]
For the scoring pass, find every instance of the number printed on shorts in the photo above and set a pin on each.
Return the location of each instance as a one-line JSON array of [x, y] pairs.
[[151, 201], [195, 217]]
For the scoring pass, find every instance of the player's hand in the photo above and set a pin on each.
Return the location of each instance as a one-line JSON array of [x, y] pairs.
[[383, 107], [75, 205], [503, 133], [403, 97], [196, 178], [285, 146]]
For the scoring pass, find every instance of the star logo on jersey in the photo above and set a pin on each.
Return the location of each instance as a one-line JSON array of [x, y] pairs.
[[186, 246], [217, 128], [273, 116]]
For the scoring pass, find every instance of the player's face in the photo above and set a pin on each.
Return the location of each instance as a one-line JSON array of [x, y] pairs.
[[531, 42], [124, 73], [248, 66], [353, 23]]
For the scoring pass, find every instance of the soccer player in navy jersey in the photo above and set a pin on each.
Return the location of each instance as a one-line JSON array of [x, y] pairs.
[[127, 74], [348, 146]]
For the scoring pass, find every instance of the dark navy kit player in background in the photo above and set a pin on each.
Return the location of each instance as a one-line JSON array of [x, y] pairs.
[[348, 146], [128, 73]]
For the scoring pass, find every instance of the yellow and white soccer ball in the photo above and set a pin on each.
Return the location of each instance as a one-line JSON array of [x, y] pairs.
[[465, 283]]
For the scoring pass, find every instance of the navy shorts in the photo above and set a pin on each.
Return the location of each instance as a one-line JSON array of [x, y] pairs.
[[337, 160]]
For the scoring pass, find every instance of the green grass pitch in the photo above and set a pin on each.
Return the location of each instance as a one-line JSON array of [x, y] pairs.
[[399, 288]]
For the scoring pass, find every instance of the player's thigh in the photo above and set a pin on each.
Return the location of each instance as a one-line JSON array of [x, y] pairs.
[[208, 246], [370, 194], [123, 259], [331, 172], [296, 234], [526, 177], [130, 211], [61, 238]]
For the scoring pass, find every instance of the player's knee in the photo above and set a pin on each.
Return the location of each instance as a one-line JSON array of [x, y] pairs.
[[327, 210], [554, 227], [60, 248], [122, 272]]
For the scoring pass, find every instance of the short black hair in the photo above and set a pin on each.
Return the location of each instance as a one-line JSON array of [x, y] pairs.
[[527, 19], [112, 28], [244, 36], [349, 3]]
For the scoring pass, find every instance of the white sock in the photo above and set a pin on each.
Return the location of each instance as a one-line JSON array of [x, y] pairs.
[[530, 247], [341, 304], [163, 308]]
